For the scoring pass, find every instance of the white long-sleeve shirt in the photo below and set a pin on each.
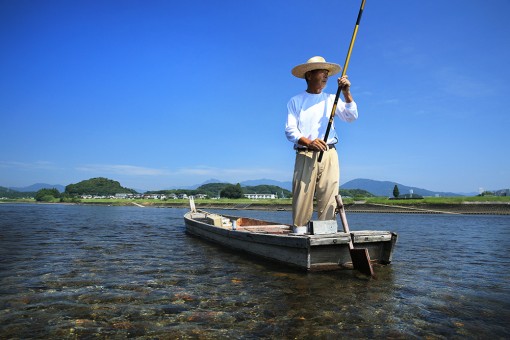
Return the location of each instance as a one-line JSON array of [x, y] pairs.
[[308, 116]]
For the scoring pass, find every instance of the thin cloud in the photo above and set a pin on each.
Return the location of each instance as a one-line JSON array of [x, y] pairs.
[[391, 101], [129, 170], [38, 165], [232, 173]]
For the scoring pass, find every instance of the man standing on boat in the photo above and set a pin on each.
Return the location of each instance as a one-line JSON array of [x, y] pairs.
[[307, 120]]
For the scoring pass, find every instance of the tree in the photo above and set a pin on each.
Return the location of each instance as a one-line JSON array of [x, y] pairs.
[[212, 189], [355, 193], [47, 195], [487, 193], [396, 192], [266, 189], [232, 191], [9, 193]]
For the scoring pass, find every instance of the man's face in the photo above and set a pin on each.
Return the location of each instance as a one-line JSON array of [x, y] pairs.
[[318, 79]]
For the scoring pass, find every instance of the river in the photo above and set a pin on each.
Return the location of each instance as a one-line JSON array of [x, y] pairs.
[[78, 271]]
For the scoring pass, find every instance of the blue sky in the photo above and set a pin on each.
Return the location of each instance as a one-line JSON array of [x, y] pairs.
[[162, 94]]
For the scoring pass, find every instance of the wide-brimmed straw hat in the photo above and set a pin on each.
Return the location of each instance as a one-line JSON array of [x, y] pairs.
[[315, 63]]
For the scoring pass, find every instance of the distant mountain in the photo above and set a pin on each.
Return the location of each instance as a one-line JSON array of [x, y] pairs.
[[38, 186], [212, 180], [256, 182], [472, 193], [195, 186], [385, 188], [377, 188]]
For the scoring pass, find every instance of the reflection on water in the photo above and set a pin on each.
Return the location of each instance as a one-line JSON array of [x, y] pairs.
[[85, 271]]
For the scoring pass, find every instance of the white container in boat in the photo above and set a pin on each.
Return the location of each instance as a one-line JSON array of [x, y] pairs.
[[300, 230]]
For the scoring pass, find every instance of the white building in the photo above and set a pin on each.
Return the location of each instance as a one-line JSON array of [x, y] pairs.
[[260, 196]]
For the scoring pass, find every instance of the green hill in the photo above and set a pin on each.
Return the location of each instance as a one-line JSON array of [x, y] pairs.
[[9, 193], [99, 186], [355, 193]]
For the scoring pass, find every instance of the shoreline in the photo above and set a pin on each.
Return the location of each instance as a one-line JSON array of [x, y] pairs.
[[466, 208], [452, 209]]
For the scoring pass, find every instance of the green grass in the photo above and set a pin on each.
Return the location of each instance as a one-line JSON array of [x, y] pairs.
[[439, 200], [287, 201], [17, 200]]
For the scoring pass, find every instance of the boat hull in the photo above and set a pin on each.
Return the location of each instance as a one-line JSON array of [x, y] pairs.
[[277, 243]]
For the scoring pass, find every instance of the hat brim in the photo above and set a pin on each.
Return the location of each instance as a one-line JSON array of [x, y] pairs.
[[300, 70]]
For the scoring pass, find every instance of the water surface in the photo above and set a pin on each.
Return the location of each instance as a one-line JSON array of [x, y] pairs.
[[71, 271]]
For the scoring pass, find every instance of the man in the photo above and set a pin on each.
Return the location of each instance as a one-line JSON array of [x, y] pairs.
[[307, 120]]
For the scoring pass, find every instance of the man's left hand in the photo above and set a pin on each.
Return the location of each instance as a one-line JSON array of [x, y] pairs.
[[344, 83]]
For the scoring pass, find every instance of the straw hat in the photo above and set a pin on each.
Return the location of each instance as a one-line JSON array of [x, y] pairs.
[[315, 63]]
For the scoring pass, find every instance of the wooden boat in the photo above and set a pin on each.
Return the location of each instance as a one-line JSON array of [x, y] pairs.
[[320, 249]]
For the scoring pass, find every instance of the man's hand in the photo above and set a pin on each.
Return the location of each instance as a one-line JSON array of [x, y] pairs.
[[345, 84], [317, 145]]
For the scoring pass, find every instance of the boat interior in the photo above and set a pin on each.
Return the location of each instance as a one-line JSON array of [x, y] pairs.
[[242, 223]]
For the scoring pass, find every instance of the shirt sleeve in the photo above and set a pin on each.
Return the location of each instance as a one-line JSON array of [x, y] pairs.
[[291, 126], [348, 112]]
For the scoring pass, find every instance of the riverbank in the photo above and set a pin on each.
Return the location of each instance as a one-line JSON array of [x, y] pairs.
[[471, 208], [400, 207], [465, 208]]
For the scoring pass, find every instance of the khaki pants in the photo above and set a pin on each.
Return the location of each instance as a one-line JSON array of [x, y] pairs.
[[312, 177]]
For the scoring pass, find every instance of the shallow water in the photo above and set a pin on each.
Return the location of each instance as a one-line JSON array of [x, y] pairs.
[[70, 271]]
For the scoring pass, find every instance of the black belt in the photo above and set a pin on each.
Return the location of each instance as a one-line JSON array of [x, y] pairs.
[[330, 146]]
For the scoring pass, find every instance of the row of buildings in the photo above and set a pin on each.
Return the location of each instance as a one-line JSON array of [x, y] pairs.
[[170, 196]]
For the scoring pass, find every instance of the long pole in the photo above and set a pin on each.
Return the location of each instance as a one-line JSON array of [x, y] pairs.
[[344, 72]]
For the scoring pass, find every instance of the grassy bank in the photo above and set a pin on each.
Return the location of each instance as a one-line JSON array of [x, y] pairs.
[[456, 205], [440, 200], [282, 202], [288, 201]]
